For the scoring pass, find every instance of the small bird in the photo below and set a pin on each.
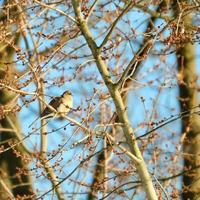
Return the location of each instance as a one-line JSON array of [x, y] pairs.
[[62, 104]]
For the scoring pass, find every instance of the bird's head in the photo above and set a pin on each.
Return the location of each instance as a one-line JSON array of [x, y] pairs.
[[67, 94]]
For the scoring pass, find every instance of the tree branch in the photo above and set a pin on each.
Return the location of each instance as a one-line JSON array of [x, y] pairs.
[[120, 107], [114, 24]]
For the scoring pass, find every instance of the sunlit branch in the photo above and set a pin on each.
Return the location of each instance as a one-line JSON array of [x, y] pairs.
[[6, 189], [154, 13], [120, 107], [71, 173], [56, 9], [3, 85], [134, 63], [52, 177], [128, 153], [18, 135], [114, 25], [171, 119], [92, 8]]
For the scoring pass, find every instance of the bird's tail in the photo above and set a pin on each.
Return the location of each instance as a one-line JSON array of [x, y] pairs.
[[34, 122]]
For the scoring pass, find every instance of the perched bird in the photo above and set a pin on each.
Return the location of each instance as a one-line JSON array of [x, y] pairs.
[[62, 104]]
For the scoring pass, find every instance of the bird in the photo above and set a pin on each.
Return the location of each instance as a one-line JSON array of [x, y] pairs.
[[62, 104]]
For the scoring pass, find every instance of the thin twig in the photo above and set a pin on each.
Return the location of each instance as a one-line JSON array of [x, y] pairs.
[[114, 24], [56, 9]]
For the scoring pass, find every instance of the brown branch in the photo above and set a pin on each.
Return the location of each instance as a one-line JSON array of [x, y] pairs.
[[117, 99], [115, 23]]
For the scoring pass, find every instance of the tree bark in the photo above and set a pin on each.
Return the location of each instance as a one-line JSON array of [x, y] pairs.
[[188, 99], [14, 182]]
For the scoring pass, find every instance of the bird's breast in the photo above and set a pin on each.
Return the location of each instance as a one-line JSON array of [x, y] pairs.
[[65, 106]]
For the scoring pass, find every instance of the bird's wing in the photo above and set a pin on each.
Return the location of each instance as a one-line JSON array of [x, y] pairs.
[[54, 103]]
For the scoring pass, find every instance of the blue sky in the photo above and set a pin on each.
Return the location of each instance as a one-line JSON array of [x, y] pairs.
[[160, 101]]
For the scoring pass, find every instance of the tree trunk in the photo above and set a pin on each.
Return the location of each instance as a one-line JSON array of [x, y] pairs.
[[190, 125], [14, 179]]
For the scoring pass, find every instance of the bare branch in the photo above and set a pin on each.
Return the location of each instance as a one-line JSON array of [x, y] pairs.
[[57, 10], [120, 108], [115, 23]]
